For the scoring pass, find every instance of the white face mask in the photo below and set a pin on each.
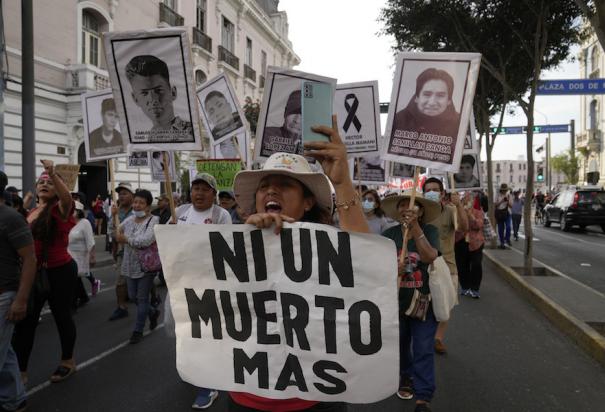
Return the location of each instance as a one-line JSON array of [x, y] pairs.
[[434, 196], [367, 205], [138, 213]]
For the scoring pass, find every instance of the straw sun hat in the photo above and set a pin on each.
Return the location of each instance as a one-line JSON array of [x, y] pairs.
[[246, 182], [432, 210]]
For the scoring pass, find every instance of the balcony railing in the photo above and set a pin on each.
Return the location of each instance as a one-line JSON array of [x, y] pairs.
[[101, 82], [228, 57], [167, 15], [261, 81], [202, 39], [249, 73]]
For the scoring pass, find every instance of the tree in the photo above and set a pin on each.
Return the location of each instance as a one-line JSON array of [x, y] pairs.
[[594, 12], [251, 111], [567, 163], [517, 41]]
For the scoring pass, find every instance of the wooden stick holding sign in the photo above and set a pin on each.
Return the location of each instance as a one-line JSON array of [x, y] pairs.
[[168, 186], [112, 187], [404, 228], [239, 152], [452, 183]]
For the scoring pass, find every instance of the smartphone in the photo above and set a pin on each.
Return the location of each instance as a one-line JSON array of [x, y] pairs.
[[316, 109]]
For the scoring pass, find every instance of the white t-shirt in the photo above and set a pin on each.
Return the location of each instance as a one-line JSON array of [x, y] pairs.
[[187, 215]]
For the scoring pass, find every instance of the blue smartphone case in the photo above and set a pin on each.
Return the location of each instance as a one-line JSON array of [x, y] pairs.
[[316, 109]]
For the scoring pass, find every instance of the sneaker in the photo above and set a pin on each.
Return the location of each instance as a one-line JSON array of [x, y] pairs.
[[440, 347], [422, 407], [508, 243], [96, 286], [22, 407], [464, 292], [136, 337], [153, 319], [475, 294], [119, 313], [406, 390], [203, 400]]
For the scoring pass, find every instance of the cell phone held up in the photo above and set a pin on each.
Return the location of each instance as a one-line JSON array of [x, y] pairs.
[[316, 109]]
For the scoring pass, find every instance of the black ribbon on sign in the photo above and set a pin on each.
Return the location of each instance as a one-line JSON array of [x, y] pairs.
[[351, 113]]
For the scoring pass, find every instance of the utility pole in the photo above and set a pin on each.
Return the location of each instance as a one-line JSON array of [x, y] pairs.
[[28, 155], [548, 165], [572, 132], [2, 51]]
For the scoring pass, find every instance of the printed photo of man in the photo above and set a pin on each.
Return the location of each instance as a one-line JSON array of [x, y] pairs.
[[222, 119], [465, 178], [153, 94], [286, 138], [106, 140]]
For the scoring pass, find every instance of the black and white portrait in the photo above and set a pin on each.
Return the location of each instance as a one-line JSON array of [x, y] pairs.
[[368, 170], [401, 170], [102, 136], [158, 165], [358, 111], [221, 112], [469, 173], [280, 122], [431, 104], [152, 80], [138, 159], [236, 147]]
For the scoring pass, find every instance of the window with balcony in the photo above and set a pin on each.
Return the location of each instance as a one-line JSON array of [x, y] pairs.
[[594, 59], [228, 35], [248, 52], [91, 38], [200, 78], [200, 15], [510, 179], [263, 61], [497, 167], [593, 114], [169, 15], [510, 167]]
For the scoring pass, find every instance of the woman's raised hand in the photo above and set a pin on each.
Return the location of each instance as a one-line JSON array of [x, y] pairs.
[[265, 220]]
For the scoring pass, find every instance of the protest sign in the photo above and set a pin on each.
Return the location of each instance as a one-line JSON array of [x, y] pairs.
[[227, 149], [468, 176], [157, 166], [358, 111], [288, 316], [222, 113], [279, 124], [368, 170], [102, 137], [152, 80], [224, 171], [137, 159], [69, 175], [430, 108]]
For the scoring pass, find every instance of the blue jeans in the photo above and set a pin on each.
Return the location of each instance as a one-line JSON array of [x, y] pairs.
[[12, 392], [504, 227], [416, 353], [138, 291]]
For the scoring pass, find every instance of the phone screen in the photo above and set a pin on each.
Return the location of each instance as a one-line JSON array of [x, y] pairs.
[[316, 109]]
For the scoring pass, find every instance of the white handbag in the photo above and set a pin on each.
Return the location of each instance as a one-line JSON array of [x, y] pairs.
[[443, 293]]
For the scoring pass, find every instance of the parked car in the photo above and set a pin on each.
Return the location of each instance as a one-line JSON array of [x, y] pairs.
[[577, 206]]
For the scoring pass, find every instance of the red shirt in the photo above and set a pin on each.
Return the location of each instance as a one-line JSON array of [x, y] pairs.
[[274, 405], [57, 248]]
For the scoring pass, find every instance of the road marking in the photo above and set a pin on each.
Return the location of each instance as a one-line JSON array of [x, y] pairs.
[[92, 360], [585, 264], [522, 236], [575, 239]]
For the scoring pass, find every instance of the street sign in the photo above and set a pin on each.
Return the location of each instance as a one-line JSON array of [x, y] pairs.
[[547, 128], [575, 86]]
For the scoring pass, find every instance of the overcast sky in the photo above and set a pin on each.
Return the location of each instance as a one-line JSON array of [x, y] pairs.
[[340, 39]]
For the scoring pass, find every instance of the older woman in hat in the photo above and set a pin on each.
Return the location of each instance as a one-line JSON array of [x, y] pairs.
[[286, 190], [417, 325]]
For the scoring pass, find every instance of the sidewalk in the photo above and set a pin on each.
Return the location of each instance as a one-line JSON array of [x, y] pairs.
[[574, 308]]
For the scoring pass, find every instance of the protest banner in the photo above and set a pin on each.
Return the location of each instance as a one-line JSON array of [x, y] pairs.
[[137, 160], [69, 175], [468, 176], [368, 170], [222, 113], [358, 111], [102, 137], [279, 124], [288, 316], [223, 170], [157, 162], [152, 79], [430, 108]]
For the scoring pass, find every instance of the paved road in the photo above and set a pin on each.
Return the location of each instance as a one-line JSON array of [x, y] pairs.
[[504, 356], [577, 253]]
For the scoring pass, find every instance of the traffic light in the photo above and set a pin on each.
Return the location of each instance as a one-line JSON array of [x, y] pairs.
[[540, 177]]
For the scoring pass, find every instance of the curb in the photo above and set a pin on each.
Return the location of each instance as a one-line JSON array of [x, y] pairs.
[[585, 336]]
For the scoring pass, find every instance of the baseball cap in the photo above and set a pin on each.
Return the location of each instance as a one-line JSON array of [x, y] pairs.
[[205, 177], [12, 189], [124, 185], [226, 193]]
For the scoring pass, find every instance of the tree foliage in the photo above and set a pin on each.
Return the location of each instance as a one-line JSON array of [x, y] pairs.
[[567, 163], [251, 111], [594, 12]]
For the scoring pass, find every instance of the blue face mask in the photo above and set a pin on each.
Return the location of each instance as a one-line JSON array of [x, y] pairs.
[[434, 196], [367, 205]]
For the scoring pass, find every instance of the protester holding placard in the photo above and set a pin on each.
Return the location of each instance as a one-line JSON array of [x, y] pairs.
[[136, 233], [286, 190], [51, 223], [417, 324]]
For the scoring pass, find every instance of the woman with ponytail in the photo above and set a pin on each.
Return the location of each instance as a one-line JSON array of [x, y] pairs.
[[51, 223]]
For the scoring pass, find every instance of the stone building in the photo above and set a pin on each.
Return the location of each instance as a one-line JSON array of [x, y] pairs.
[[237, 37]]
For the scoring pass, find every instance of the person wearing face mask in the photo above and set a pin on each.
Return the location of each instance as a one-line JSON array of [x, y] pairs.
[[451, 218], [136, 232], [374, 214]]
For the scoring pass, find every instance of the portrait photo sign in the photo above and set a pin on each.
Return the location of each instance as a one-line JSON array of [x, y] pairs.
[[430, 108], [152, 79], [156, 163], [228, 149], [137, 159], [279, 127], [468, 176], [223, 170], [368, 170], [358, 110], [288, 316], [102, 137], [221, 112]]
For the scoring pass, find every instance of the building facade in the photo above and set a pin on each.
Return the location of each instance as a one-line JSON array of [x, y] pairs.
[[514, 174], [589, 141], [237, 37]]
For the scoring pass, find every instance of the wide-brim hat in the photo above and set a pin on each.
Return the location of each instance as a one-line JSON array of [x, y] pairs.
[[295, 166], [432, 210], [503, 186], [124, 185]]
